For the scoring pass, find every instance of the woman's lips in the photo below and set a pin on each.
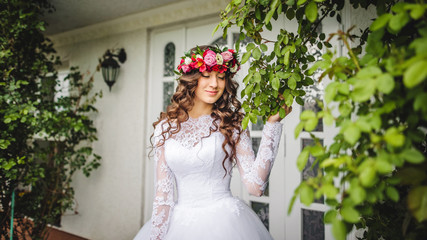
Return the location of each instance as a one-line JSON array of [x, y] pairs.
[[212, 92]]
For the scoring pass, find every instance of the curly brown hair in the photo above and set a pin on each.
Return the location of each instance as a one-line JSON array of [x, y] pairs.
[[226, 109]]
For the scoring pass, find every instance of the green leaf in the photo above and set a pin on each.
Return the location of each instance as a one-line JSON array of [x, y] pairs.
[[363, 90], [256, 53], [245, 57], [368, 72], [331, 91], [306, 194], [317, 151], [417, 202], [363, 125], [245, 122], [236, 2], [257, 77], [311, 124], [311, 11], [253, 118], [380, 22], [385, 83], [393, 137], [307, 114], [303, 158], [339, 230], [383, 166], [328, 119], [289, 99], [330, 216], [420, 101], [413, 156], [286, 58], [392, 193], [398, 21], [250, 47], [275, 83], [345, 108], [8, 165], [357, 194], [298, 129], [351, 134], [301, 2], [330, 191], [368, 177], [269, 15], [417, 12], [350, 214], [283, 75], [292, 84], [415, 74], [264, 47]]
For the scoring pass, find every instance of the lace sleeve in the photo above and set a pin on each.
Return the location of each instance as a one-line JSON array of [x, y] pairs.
[[164, 196], [255, 172]]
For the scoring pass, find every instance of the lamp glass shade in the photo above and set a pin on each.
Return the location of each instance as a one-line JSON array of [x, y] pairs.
[[110, 71]]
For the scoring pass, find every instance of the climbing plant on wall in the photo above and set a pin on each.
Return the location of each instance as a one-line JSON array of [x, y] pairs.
[[46, 124], [374, 173]]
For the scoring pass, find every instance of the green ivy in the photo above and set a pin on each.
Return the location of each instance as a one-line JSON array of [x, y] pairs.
[[43, 140], [374, 173]]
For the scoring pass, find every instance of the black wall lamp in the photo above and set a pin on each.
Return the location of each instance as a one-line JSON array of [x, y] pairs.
[[110, 67]]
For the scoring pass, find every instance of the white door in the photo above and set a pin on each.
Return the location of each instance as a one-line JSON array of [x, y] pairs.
[[166, 48]]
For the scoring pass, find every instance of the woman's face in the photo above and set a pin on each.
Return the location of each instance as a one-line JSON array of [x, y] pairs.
[[210, 87]]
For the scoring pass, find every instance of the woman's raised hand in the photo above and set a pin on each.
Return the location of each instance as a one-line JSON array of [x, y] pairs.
[[276, 117]]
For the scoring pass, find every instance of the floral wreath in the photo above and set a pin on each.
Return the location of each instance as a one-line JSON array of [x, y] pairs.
[[212, 59]]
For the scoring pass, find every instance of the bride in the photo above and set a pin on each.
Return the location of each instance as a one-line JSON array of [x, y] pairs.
[[196, 142]]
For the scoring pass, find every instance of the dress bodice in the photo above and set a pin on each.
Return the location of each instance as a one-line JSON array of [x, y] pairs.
[[199, 173], [191, 161]]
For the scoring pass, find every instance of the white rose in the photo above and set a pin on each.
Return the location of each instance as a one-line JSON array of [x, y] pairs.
[[199, 56], [234, 68], [187, 60], [219, 59]]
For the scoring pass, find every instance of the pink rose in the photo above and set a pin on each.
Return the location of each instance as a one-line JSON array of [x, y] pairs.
[[227, 56], [210, 58], [185, 68]]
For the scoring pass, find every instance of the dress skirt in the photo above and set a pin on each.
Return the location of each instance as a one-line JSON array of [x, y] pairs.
[[225, 219]]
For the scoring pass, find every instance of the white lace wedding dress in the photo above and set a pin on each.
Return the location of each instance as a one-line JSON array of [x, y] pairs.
[[204, 208]]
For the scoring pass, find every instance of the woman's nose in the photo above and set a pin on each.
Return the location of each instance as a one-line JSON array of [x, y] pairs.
[[213, 81]]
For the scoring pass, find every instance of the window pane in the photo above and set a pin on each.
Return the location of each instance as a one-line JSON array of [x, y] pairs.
[[313, 227], [221, 42], [169, 58], [261, 209], [259, 125], [167, 94]]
